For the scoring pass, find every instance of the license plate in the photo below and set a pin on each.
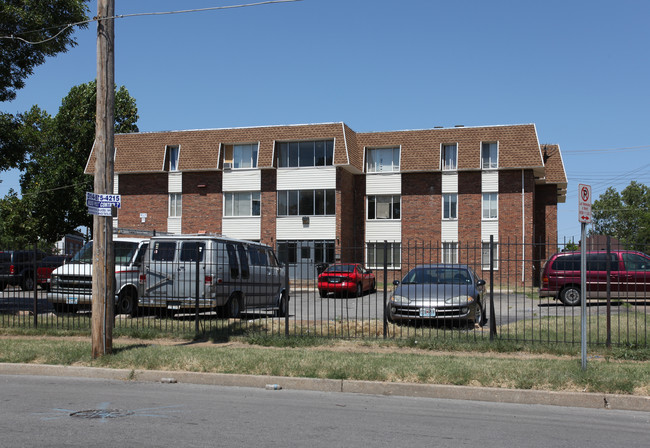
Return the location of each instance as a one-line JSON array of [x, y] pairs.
[[72, 301], [334, 280], [427, 312], [173, 307]]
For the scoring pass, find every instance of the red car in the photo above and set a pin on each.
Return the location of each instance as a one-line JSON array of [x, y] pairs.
[[46, 266], [347, 278]]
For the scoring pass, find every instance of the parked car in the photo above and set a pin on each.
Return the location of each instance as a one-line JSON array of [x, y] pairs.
[[71, 284], [629, 276], [346, 278], [233, 276], [17, 268], [438, 292], [46, 266]]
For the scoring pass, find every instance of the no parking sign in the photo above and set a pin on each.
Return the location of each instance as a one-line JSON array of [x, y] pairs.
[[584, 203]]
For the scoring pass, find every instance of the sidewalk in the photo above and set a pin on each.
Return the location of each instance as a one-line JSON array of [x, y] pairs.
[[571, 399]]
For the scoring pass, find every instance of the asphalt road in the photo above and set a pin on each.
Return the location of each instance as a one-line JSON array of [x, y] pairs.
[[80, 412]]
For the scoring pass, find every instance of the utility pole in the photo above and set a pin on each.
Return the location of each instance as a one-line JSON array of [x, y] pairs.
[[103, 256]]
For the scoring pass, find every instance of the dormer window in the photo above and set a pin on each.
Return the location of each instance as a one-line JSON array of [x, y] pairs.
[[305, 154], [489, 156], [449, 157], [171, 157], [241, 156], [381, 160]]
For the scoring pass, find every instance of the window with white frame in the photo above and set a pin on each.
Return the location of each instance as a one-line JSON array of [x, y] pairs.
[[173, 153], [490, 205], [305, 154], [241, 155], [450, 252], [175, 204], [450, 206], [449, 157], [306, 202], [485, 255], [382, 160], [489, 156], [391, 251], [384, 207], [244, 203]]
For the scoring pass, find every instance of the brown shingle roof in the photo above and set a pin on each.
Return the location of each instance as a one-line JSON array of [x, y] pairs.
[[200, 149]]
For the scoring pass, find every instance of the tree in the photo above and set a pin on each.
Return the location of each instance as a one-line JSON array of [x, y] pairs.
[[625, 216], [34, 21], [53, 183]]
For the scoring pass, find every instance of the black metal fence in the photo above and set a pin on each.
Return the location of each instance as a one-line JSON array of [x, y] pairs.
[[528, 295]]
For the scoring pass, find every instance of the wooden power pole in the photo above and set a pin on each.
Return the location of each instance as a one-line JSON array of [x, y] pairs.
[[103, 256]]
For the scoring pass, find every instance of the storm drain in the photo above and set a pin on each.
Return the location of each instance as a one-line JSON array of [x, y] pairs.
[[101, 413]]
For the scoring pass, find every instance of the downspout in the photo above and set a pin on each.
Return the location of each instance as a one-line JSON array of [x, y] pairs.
[[523, 229]]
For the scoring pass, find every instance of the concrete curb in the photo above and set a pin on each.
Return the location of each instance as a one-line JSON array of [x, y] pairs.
[[572, 399]]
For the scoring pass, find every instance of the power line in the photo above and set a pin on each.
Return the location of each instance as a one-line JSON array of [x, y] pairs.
[[623, 149], [122, 16]]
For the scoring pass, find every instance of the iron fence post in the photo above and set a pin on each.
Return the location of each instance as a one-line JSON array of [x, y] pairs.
[[286, 290], [385, 287], [493, 322], [35, 275]]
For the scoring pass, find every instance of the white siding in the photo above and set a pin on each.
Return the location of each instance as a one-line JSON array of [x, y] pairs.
[[319, 228], [489, 228], [449, 182], [174, 225], [490, 181], [383, 183], [306, 178], [242, 180], [383, 230], [175, 182], [449, 230], [243, 228]]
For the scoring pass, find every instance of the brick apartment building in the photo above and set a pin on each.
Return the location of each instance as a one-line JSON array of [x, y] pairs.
[[323, 192]]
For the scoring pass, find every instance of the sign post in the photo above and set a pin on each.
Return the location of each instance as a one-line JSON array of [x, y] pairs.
[[584, 217]]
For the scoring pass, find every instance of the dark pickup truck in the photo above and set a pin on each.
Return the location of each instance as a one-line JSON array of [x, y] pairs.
[[17, 268]]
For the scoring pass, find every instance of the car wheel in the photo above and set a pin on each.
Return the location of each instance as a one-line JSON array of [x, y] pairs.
[[283, 307], [373, 286], [479, 315], [359, 291], [570, 296], [322, 293], [127, 303], [28, 283], [234, 307]]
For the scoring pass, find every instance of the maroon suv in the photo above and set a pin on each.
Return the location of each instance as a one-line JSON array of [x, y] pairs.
[[629, 276]]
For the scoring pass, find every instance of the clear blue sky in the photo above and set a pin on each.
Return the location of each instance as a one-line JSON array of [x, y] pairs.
[[579, 70]]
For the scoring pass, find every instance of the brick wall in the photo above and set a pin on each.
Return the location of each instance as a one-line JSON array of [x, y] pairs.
[[269, 198], [202, 202], [143, 193]]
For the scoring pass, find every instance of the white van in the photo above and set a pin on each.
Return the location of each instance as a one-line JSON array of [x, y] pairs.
[[71, 284], [224, 274]]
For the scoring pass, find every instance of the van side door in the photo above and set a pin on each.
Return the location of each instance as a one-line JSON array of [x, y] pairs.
[[190, 255], [159, 269]]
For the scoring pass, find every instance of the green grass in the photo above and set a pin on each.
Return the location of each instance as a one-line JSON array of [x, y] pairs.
[[325, 361]]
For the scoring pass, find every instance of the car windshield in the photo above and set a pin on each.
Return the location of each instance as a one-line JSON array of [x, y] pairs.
[[341, 268], [438, 276], [123, 250]]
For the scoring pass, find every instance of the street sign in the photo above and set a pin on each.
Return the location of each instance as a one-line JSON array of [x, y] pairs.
[[584, 203], [102, 204], [103, 200]]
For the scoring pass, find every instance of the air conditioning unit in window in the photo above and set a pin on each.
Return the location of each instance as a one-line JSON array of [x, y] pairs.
[[227, 166]]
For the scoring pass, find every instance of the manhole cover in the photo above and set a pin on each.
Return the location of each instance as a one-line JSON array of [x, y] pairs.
[[101, 413]]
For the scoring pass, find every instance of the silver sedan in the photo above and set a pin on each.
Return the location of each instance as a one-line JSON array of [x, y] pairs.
[[438, 292]]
